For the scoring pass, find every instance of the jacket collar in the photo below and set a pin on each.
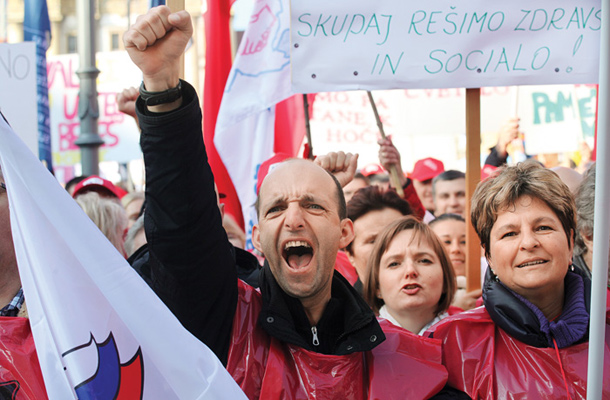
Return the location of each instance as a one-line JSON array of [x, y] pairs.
[[348, 324], [516, 318]]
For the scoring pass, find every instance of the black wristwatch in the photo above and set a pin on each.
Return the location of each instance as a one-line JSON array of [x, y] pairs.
[[156, 98]]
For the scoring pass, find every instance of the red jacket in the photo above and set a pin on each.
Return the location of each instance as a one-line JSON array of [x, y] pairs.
[[345, 267], [404, 366], [487, 363], [20, 376]]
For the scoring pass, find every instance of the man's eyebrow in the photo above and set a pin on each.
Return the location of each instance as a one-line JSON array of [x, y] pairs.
[[308, 198], [274, 202]]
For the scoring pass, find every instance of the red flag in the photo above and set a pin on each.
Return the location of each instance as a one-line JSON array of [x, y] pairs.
[[218, 60], [290, 125]]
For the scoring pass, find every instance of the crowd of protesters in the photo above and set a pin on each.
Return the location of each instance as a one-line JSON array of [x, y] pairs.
[[352, 291]]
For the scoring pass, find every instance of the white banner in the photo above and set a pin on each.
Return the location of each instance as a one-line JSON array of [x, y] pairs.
[[388, 44], [100, 331], [18, 90]]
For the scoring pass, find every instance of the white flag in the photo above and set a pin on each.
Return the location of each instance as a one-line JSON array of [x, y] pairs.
[[259, 79], [100, 331]]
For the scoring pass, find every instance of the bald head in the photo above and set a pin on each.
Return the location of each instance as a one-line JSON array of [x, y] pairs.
[[568, 176], [292, 169]]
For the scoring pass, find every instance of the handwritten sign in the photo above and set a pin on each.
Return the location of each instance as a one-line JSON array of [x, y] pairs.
[[18, 90], [119, 132], [388, 44], [565, 113]]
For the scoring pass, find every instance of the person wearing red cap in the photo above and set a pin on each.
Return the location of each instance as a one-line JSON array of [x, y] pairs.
[[423, 172], [376, 175], [102, 186]]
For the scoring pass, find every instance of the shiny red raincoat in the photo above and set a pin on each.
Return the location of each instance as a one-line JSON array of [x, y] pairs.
[[20, 376], [404, 366], [487, 363], [345, 267]]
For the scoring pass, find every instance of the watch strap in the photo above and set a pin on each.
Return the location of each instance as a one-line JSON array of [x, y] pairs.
[[164, 97]]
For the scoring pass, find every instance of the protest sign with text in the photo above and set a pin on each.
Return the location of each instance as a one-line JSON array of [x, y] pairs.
[[119, 132], [389, 44]]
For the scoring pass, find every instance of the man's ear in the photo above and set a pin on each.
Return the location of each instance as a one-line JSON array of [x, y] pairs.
[[347, 233], [221, 207], [256, 238]]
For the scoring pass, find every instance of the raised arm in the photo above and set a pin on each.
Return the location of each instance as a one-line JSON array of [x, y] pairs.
[[190, 263], [389, 157]]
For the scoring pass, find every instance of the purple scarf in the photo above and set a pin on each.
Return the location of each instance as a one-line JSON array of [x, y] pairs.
[[571, 326]]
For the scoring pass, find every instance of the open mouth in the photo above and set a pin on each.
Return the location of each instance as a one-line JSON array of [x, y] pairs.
[[297, 254], [529, 264], [411, 288]]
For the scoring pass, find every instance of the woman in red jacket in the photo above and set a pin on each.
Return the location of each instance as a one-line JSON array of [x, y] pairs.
[[410, 280], [531, 338]]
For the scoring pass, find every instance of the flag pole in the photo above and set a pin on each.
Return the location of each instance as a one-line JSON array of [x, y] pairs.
[[394, 178], [307, 125], [473, 176], [601, 231], [89, 139]]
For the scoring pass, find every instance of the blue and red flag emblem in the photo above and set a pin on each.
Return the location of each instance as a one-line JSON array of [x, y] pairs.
[[112, 380]]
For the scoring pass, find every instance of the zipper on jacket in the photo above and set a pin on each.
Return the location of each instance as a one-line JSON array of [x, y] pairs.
[[314, 331]]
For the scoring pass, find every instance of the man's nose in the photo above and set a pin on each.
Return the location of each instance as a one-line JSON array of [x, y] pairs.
[[294, 216]]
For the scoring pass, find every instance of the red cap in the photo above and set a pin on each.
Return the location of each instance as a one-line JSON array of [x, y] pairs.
[[268, 166], [372, 169], [427, 168], [95, 183], [488, 171]]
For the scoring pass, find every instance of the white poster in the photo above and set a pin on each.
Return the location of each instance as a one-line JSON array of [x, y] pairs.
[[557, 118], [388, 44], [18, 90], [119, 131]]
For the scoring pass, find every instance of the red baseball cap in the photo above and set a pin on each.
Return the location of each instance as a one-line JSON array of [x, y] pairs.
[[488, 171], [268, 166], [98, 184], [427, 168], [372, 169]]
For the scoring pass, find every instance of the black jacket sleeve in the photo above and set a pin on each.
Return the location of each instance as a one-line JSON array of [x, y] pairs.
[[495, 159], [190, 263]]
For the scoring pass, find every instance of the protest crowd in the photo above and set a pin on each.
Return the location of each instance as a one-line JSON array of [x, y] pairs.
[[355, 290]]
